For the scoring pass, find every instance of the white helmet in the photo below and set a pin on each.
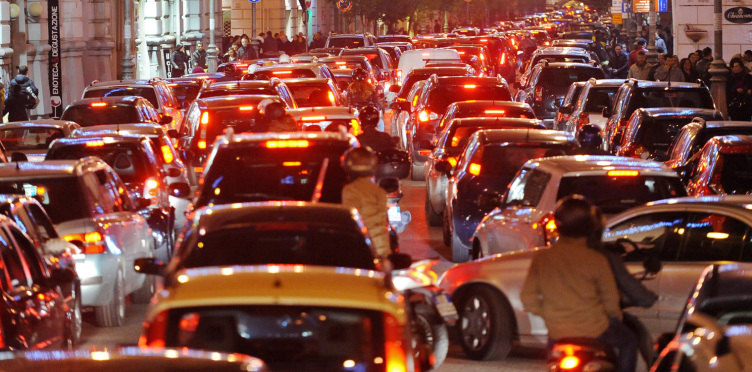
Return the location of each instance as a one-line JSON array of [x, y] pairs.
[[284, 58], [252, 68]]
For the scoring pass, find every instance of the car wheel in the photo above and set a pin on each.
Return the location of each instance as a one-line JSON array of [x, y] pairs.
[[113, 314], [143, 295], [75, 320], [447, 228], [460, 253], [431, 332], [485, 324], [433, 218]]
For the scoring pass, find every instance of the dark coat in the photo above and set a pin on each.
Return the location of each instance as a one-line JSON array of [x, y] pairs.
[[247, 53], [377, 141], [15, 107], [620, 64], [198, 58]]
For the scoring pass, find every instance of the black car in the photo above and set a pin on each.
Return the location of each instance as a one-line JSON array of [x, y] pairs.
[[503, 53], [489, 162], [548, 83], [113, 110], [273, 87]]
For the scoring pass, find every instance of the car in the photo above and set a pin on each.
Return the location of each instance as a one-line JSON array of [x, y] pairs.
[[466, 31], [401, 110], [32, 138], [112, 110], [635, 94], [127, 359], [314, 92], [327, 119], [724, 167], [693, 136], [92, 209], [449, 146], [438, 93], [274, 166], [588, 45], [586, 104], [554, 54], [485, 108], [476, 56], [569, 99], [394, 38], [339, 316], [336, 40], [381, 61], [718, 305], [650, 131], [209, 117], [502, 53], [395, 49], [544, 90], [273, 87], [155, 90], [290, 71], [418, 58], [186, 89], [522, 218], [30, 289], [687, 232], [487, 165]]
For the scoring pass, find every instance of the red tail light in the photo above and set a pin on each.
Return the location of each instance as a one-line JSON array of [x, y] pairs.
[[93, 242], [548, 228], [503, 59], [167, 154], [394, 347], [569, 362], [584, 118], [154, 333], [474, 169], [205, 118], [539, 93]]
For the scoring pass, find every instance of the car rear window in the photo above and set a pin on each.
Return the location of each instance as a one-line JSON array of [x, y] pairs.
[[560, 58], [598, 98], [127, 159], [562, 78], [86, 115], [467, 111], [147, 92], [312, 95], [257, 90], [258, 173], [443, 96], [658, 133], [61, 197], [286, 338], [507, 160], [296, 73], [736, 172], [345, 42], [221, 119], [661, 97], [185, 94], [624, 192], [373, 58], [15, 139]]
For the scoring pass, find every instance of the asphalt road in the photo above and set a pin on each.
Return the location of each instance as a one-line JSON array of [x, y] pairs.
[[419, 240]]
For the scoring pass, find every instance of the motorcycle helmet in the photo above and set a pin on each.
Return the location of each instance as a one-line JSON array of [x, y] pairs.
[[284, 58], [576, 217], [590, 136], [359, 162], [369, 117], [359, 74], [274, 111]]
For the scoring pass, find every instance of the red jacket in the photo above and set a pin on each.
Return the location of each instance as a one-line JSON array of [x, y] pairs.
[[633, 55]]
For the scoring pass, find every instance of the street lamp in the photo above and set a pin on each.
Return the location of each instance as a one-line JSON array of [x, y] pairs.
[[717, 68]]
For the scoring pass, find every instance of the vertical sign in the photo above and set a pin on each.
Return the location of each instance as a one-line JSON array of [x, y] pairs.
[[56, 88], [661, 6]]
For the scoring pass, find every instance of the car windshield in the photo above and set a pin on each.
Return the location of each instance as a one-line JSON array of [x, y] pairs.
[[279, 243], [258, 173], [661, 97], [15, 139], [624, 192], [147, 92], [61, 197], [345, 42], [309, 95], [286, 338], [562, 78], [443, 96], [598, 98], [374, 58], [736, 172], [86, 115], [125, 158]]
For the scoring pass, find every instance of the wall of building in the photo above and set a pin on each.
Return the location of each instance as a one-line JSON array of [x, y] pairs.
[[699, 14]]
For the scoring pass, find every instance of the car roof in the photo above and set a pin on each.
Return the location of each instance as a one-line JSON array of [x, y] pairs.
[[437, 70], [662, 84], [107, 138], [501, 121], [569, 65], [592, 163], [40, 123], [234, 100], [558, 51], [289, 66], [144, 129], [258, 138], [117, 83], [460, 80], [290, 285], [607, 82], [525, 135], [47, 168], [710, 124], [109, 100], [242, 84], [334, 111], [740, 201], [733, 140], [485, 103], [677, 111], [303, 81]]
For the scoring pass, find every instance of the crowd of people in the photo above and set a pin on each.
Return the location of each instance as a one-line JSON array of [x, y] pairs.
[[243, 47]]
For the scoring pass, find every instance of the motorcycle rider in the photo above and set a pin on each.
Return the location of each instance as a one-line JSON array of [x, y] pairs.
[[276, 117], [572, 286], [372, 137], [360, 92], [363, 194], [590, 139]]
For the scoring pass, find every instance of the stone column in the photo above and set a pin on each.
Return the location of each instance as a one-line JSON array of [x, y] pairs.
[[149, 28], [191, 20], [6, 52], [718, 69], [100, 45]]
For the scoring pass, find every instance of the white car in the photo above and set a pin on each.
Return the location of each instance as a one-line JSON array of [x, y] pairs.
[[522, 220], [327, 119], [587, 108], [418, 58]]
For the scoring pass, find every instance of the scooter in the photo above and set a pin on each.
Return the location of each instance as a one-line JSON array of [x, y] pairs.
[[398, 219]]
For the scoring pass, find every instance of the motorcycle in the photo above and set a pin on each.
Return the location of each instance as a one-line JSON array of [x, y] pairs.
[[398, 219]]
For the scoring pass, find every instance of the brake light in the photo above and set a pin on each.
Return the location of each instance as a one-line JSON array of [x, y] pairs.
[[167, 154], [548, 227], [569, 362], [246, 108], [340, 63], [503, 58], [286, 144], [474, 169], [286, 72], [584, 118], [95, 144], [423, 116], [331, 97], [151, 189], [202, 144], [452, 161], [291, 163], [461, 53], [154, 332], [623, 173], [424, 152], [99, 104], [483, 40], [455, 141], [399, 74], [470, 86], [396, 360], [313, 118], [494, 112], [355, 126], [546, 43], [93, 243], [539, 93], [172, 84], [482, 57], [205, 118]]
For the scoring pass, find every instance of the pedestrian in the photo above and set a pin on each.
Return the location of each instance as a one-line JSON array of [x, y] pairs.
[[690, 74], [660, 44], [618, 63], [653, 68], [231, 55], [670, 71], [246, 51], [436, 27], [747, 58], [318, 41], [573, 288], [703, 64], [179, 61], [633, 54], [27, 86], [270, 44], [739, 92], [198, 58], [16, 104], [669, 39], [693, 58]]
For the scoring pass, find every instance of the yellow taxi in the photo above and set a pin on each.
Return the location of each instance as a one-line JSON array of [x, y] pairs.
[[293, 317]]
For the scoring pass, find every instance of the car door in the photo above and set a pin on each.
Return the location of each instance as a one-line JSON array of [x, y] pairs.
[[710, 237], [662, 231]]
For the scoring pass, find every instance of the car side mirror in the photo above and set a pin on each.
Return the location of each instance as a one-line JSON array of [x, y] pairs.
[[395, 88], [566, 109], [179, 190], [425, 145], [165, 119], [61, 276], [489, 200], [142, 203], [400, 261], [185, 142], [173, 133], [443, 166], [18, 157], [149, 265], [389, 184], [606, 112], [174, 172]]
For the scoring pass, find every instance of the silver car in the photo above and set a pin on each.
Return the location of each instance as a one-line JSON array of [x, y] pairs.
[[91, 208], [33, 138], [689, 233]]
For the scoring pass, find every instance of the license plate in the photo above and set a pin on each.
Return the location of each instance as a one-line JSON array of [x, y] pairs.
[[445, 307], [394, 214]]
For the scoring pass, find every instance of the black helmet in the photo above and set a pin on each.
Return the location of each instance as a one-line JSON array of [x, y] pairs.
[[359, 162], [271, 110], [359, 74], [576, 217], [369, 117], [589, 135]]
